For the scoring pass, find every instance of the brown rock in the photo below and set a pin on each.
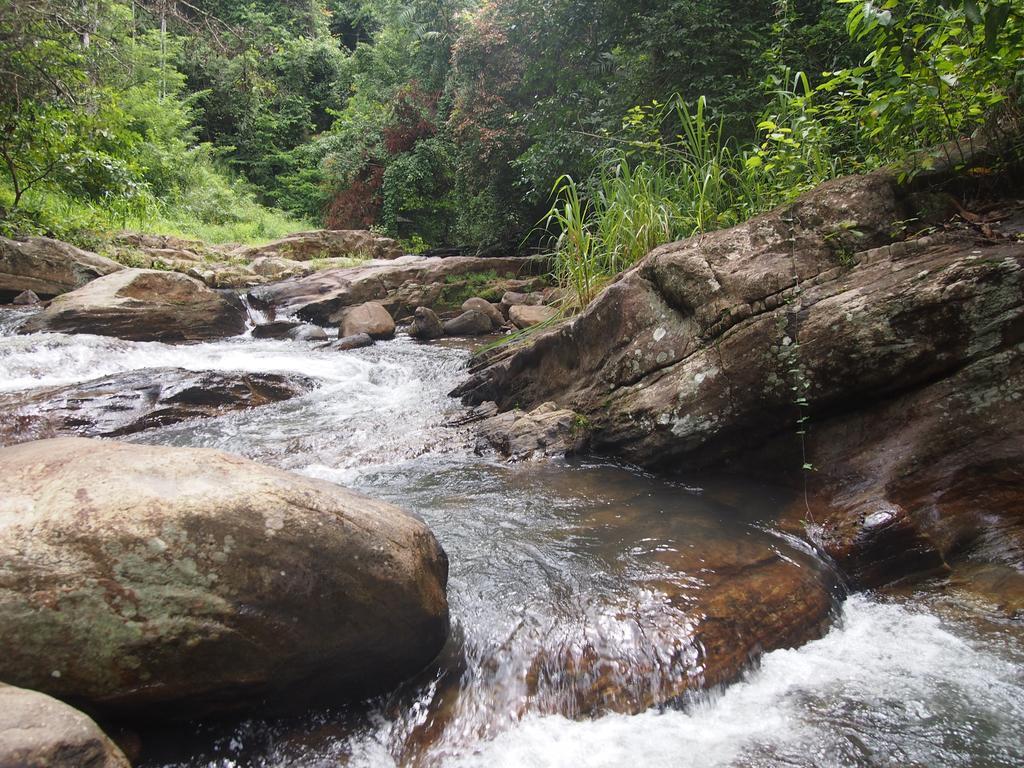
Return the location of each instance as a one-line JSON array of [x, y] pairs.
[[907, 354], [325, 244], [525, 315], [143, 305], [426, 325], [37, 731], [47, 267], [26, 298], [482, 305], [186, 581], [400, 285], [370, 318], [544, 431], [471, 323]]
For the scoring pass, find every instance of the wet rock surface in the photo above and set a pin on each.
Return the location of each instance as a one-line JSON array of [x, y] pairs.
[[904, 355], [139, 579], [130, 402], [370, 319], [289, 329], [143, 305], [47, 267], [545, 431], [38, 731]]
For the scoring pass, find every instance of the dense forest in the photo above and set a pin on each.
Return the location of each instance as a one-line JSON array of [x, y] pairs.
[[460, 122]]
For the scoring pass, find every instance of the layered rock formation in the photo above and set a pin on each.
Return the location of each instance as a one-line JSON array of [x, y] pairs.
[[903, 354], [400, 285], [47, 267], [143, 305]]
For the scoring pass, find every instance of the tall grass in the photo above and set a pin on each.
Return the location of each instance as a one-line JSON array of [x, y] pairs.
[[659, 191]]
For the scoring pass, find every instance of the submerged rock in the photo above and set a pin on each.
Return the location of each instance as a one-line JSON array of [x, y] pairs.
[[426, 325], [136, 578], [289, 329], [133, 401], [47, 267], [38, 731], [906, 357], [369, 318], [143, 305], [355, 341]]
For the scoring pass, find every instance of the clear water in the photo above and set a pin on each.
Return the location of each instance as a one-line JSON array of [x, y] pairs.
[[591, 565]]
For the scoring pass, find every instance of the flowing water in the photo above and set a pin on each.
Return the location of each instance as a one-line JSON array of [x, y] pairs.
[[575, 591]]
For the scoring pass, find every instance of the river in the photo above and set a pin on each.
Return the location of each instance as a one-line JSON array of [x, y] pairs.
[[572, 591]]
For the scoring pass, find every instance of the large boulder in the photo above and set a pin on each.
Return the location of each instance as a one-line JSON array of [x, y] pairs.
[[138, 578], [469, 323], [129, 402], [370, 318], [37, 731], [489, 309], [426, 325], [143, 305], [712, 352], [400, 285], [47, 267]]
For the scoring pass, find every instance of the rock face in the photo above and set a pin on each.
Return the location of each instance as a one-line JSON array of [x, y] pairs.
[[905, 356], [143, 305], [525, 315], [327, 244], [37, 731], [400, 285], [469, 323], [136, 400], [370, 318], [47, 267], [426, 325], [185, 581]]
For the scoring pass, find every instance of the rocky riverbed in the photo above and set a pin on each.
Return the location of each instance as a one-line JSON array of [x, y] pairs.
[[215, 562]]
